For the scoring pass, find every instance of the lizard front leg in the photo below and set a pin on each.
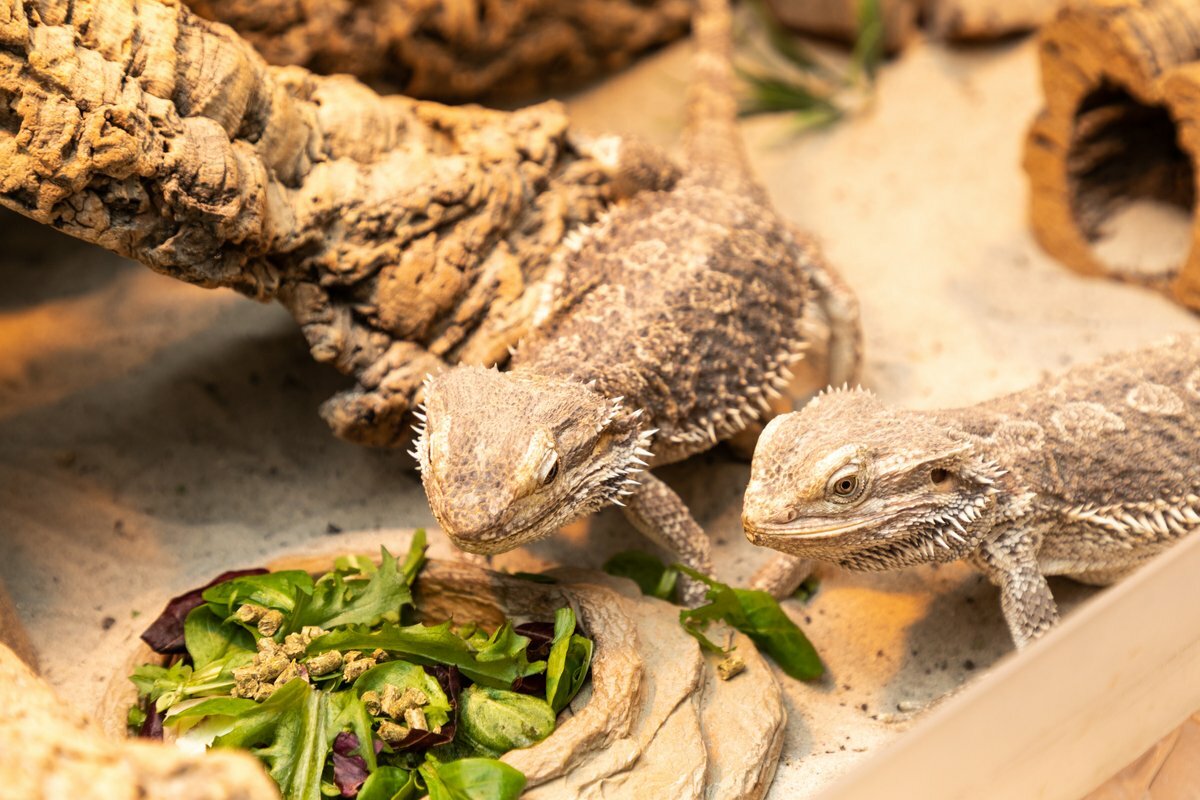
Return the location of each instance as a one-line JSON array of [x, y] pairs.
[[662, 517], [837, 309], [781, 575], [1010, 562]]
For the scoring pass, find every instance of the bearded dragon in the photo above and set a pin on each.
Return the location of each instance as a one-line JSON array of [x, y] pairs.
[[669, 325], [1088, 475]]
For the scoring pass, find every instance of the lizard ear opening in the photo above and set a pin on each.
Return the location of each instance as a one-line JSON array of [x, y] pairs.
[[939, 477]]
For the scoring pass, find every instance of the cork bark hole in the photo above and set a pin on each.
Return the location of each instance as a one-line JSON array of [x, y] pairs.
[[1132, 185]]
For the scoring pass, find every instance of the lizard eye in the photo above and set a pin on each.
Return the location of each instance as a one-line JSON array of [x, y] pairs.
[[548, 471], [846, 485]]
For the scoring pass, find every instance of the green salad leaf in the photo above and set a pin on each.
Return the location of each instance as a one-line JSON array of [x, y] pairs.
[[289, 731], [166, 686], [568, 662], [498, 663], [300, 709], [277, 590], [497, 720], [652, 576], [403, 675], [472, 779], [337, 599], [209, 639], [389, 783], [758, 615], [350, 714]]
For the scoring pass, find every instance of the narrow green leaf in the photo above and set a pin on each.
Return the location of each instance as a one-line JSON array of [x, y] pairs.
[[416, 556], [868, 46], [772, 93], [350, 714], [568, 662], [783, 41], [652, 576], [437, 644], [759, 616]]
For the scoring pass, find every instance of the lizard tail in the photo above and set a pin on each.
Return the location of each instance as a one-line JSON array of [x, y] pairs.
[[711, 141]]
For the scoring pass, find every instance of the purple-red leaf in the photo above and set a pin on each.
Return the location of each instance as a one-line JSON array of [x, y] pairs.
[[349, 770], [165, 634], [152, 727], [531, 684], [540, 635]]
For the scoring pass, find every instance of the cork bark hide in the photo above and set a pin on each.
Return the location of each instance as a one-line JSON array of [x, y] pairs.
[[1121, 80], [51, 750], [953, 20], [455, 49], [400, 234]]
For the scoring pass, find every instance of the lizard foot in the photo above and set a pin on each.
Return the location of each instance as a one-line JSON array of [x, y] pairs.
[[692, 593]]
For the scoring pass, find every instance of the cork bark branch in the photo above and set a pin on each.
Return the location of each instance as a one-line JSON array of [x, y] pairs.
[[1121, 80], [953, 20], [455, 49], [399, 233]]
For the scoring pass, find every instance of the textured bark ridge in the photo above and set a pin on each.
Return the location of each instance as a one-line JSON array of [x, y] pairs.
[[1121, 80], [400, 234], [455, 49], [956, 20]]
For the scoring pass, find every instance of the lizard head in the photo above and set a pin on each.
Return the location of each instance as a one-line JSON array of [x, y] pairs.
[[507, 458], [849, 480]]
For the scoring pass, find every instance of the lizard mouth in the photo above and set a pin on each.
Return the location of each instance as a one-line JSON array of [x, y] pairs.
[[815, 530]]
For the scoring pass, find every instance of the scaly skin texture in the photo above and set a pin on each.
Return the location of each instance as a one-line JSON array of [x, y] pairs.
[[1087, 475], [667, 326]]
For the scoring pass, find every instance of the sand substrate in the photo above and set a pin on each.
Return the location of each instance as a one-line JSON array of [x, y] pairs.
[[153, 434]]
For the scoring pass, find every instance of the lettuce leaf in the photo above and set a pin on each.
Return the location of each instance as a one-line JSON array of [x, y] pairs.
[[499, 662], [389, 783], [495, 721], [166, 686], [277, 590], [336, 601], [472, 779], [568, 662], [289, 731], [166, 634], [757, 615], [350, 715], [652, 576], [402, 674], [208, 638]]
